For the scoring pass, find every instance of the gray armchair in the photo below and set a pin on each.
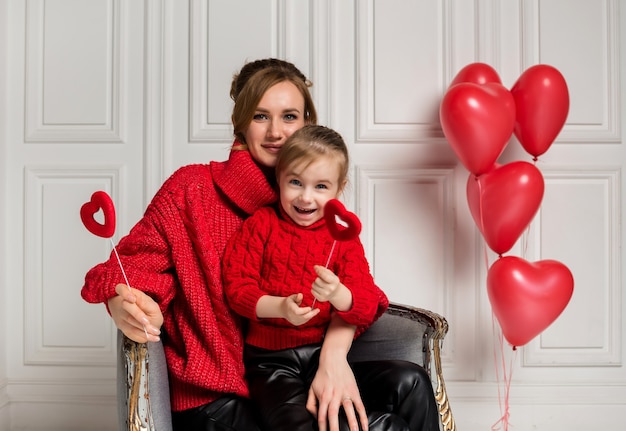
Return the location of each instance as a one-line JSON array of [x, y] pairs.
[[403, 332]]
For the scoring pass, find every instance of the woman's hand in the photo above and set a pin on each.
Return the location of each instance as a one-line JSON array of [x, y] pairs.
[[136, 314], [334, 385]]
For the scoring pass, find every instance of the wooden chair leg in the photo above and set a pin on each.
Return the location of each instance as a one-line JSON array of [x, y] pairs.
[[441, 396]]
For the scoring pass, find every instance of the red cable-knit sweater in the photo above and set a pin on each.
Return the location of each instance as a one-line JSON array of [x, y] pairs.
[[174, 254], [272, 255]]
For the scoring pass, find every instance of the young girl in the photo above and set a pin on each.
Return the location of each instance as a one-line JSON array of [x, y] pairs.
[[283, 261]]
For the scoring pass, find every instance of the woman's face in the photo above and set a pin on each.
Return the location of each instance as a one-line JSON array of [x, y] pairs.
[[279, 114]]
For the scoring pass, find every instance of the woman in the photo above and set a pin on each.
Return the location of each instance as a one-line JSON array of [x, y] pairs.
[[174, 255]]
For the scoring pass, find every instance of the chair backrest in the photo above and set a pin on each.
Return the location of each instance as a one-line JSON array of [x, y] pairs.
[[398, 334], [403, 332]]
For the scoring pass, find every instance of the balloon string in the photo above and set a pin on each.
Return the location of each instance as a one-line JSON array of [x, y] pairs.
[[480, 204], [525, 241], [503, 422], [327, 263], [482, 223], [119, 261]]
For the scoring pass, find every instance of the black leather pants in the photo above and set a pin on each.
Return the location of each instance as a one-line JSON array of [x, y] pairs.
[[228, 413], [398, 395]]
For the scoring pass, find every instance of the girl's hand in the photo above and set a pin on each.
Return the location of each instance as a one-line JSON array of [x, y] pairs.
[[294, 313], [328, 287]]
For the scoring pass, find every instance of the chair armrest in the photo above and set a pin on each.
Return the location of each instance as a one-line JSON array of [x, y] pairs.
[[143, 386], [432, 341]]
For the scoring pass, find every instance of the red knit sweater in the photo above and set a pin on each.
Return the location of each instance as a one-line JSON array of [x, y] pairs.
[[273, 255], [174, 254]]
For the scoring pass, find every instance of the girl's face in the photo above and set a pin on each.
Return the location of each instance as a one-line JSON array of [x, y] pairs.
[[279, 114], [305, 189]]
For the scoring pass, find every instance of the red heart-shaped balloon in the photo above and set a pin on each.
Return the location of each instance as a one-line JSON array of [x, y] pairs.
[[478, 73], [527, 297], [478, 122], [542, 104], [335, 209], [99, 201], [504, 201]]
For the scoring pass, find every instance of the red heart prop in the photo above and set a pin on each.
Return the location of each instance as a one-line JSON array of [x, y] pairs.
[[504, 201], [542, 103], [99, 201], [333, 209], [478, 73], [478, 121], [527, 297]]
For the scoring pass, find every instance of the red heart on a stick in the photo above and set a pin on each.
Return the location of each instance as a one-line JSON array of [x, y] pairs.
[[504, 201], [333, 209], [99, 201], [478, 121], [527, 297]]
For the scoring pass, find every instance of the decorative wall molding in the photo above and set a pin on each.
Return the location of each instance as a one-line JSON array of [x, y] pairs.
[[588, 333], [591, 34], [387, 110], [52, 336], [285, 30], [157, 45], [206, 123], [423, 230], [64, 404], [94, 72]]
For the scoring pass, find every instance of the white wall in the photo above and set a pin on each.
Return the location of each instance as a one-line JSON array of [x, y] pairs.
[[115, 95]]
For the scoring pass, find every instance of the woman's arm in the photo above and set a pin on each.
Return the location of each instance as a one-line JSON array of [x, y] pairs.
[[334, 384]]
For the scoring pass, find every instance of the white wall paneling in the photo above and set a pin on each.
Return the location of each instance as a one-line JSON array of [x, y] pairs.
[[412, 242], [588, 332], [211, 22], [398, 95], [561, 33], [73, 70], [51, 335]]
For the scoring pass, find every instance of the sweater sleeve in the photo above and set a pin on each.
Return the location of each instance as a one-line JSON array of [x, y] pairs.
[[145, 254], [369, 302], [242, 265]]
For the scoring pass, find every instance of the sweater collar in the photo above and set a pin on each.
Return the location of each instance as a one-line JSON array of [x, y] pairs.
[[243, 181]]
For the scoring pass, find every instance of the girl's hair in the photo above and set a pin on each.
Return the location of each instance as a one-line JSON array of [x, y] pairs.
[[251, 83], [310, 142]]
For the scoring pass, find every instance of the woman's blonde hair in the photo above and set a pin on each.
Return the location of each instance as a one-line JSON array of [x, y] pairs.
[[309, 143], [251, 83]]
